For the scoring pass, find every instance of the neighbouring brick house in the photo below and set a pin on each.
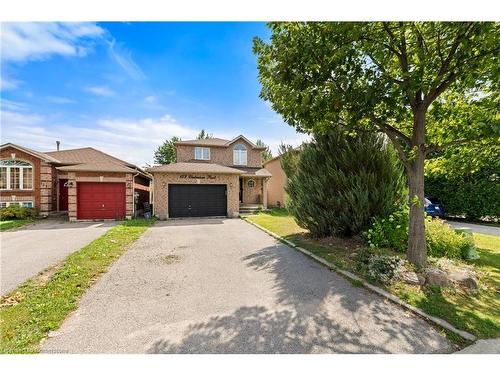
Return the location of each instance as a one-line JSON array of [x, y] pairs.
[[212, 177], [86, 183]]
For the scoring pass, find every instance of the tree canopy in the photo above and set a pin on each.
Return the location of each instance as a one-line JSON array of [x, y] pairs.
[[204, 135], [165, 153], [266, 154], [400, 78]]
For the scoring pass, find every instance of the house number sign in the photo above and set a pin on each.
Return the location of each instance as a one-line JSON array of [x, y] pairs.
[[194, 177]]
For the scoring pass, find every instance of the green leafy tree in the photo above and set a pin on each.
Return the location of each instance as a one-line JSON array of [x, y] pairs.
[[399, 78], [289, 158], [165, 153], [340, 183], [266, 154], [204, 135]]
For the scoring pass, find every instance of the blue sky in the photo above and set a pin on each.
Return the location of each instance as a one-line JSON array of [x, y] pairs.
[[125, 87]]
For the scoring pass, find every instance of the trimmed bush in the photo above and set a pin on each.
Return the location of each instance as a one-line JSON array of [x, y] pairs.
[[442, 240], [339, 183], [17, 212], [390, 232]]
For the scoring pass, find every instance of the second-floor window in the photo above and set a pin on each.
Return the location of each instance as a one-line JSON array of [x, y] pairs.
[[202, 153], [16, 175], [240, 155]]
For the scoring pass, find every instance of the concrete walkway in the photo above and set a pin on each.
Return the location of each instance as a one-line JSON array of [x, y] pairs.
[[224, 286], [26, 252], [476, 228]]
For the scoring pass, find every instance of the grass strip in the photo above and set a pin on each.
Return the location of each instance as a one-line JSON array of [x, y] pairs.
[[11, 224], [477, 313], [42, 303]]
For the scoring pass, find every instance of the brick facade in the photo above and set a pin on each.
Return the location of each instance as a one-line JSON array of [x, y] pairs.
[[252, 195], [221, 155], [24, 195], [162, 180]]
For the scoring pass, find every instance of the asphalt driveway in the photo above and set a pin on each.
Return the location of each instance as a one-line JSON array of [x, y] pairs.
[[224, 286], [26, 252]]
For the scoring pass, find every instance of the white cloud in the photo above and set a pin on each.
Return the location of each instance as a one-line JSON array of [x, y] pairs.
[[150, 99], [133, 140], [8, 83], [123, 57], [39, 40], [100, 90]]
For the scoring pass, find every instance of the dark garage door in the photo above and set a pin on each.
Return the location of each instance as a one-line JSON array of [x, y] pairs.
[[100, 200], [197, 200]]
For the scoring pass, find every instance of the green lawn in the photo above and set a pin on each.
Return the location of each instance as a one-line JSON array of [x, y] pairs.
[[11, 224], [478, 314], [41, 304]]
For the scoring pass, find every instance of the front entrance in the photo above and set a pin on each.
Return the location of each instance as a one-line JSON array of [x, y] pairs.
[[197, 200], [63, 195]]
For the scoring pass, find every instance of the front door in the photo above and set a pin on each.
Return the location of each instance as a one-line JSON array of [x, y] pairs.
[[63, 195]]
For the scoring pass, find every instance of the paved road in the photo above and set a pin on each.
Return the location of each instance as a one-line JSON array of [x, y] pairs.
[[26, 252], [224, 286], [476, 228]]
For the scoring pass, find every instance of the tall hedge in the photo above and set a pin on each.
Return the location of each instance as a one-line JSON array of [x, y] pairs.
[[474, 195], [340, 183]]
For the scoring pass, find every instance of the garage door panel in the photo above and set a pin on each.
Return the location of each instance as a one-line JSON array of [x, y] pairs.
[[197, 200], [100, 200]]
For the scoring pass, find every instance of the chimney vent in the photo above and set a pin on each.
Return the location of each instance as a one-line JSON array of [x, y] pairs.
[[58, 143]]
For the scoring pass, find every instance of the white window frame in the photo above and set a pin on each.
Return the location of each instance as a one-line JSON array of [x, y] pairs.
[[18, 203], [238, 154], [202, 152], [21, 174]]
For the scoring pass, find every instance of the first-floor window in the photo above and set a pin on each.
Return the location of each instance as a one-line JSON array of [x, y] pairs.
[[14, 178], [16, 175], [27, 178], [3, 177]]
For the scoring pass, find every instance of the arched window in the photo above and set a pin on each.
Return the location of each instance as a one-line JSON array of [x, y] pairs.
[[16, 175], [251, 183], [240, 155]]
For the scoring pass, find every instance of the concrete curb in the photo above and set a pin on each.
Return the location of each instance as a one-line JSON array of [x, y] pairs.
[[438, 321]]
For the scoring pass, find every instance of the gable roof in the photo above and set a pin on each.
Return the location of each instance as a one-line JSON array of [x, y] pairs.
[[41, 155], [89, 159], [218, 142]]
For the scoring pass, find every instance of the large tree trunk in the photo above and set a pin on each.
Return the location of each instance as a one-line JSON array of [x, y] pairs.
[[417, 250]]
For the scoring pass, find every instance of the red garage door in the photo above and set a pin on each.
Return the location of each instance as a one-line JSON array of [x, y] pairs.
[[100, 200]]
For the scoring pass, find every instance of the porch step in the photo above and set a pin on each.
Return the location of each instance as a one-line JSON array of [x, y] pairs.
[[250, 209], [57, 214]]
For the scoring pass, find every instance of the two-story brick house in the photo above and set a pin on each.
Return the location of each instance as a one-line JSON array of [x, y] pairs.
[[212, 177]]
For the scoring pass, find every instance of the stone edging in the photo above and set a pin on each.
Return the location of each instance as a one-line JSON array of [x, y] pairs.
[[438, 321]]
